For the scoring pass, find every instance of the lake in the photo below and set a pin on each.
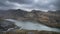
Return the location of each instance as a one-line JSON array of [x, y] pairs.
[[31, 25]]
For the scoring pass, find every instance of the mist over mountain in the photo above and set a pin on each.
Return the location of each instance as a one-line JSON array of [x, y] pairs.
[[51, 17]]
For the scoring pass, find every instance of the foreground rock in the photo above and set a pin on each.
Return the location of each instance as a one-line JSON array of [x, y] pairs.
[[6, 25]]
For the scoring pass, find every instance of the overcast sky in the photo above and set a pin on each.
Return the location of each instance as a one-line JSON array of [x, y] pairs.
[[30, 4]]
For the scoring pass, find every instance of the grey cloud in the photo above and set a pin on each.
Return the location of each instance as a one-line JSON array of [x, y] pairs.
[[57, 4], [22, 1], [2, 3], [30, 4]]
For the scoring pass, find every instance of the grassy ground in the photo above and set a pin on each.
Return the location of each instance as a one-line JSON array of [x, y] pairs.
[[30, 32]]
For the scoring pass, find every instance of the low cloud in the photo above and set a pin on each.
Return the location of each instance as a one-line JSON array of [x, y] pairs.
[[30, 4]]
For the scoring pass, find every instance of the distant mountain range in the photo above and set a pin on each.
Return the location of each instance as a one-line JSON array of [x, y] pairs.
[[50, 18]]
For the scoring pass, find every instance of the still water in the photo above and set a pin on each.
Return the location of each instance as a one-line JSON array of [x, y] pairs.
[[30, 25]]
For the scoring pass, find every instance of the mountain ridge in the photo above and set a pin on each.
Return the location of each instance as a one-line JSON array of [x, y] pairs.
[[48, 18]]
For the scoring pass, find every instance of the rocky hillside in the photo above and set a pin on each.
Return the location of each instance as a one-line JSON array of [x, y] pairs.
[[50, 18], [54, 18]]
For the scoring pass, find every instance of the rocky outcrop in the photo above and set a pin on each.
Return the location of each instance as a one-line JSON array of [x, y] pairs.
[[5, 25]]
